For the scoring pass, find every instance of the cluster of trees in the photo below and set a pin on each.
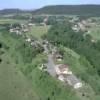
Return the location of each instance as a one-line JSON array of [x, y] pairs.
[[37, 19], [62, 34], [12, 11], [4, 27], [20, 17], [70, 9], [25, 49], [51, 20]]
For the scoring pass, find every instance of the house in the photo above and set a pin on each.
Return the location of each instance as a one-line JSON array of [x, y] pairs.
[[28, 40], [57, 56], [43, 67], [14, 30], [18, 32], [62, 69], [65, 75], [25, 30], [71, 79], [75, 28], [61, 78], [31, 24], [11, 30]]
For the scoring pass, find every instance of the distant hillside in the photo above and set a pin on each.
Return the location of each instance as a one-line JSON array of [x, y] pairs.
[[70, 9], [12, 11]]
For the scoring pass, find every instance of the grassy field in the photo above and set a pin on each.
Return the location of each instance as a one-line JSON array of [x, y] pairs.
[[38, 31], [95, 32], [11, 21], [13, 84]]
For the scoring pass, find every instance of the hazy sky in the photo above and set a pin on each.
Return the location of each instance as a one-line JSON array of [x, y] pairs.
[[31, 4]]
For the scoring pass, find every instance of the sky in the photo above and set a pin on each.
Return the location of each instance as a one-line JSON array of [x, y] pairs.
[[34, 4]]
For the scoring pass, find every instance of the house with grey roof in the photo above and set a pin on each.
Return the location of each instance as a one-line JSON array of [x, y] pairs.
[[73, 81], [65, 75]]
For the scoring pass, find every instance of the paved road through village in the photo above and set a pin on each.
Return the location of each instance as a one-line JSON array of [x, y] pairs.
[[50, 64]]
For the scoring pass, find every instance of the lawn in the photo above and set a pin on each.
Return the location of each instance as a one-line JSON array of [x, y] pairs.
[[38, 31]]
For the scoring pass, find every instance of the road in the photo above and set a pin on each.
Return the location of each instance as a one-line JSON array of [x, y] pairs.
[[50, 64]]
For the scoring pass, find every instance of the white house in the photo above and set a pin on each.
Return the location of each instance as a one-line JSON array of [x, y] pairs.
[[28, 40], [73, 81], [65, 75], [61, 78], [62, 69]]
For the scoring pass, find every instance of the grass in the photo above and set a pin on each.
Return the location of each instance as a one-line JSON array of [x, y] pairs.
[[94, 29], [38, 31], [11, 21], [81, 68], [95, 32], [13, 84]]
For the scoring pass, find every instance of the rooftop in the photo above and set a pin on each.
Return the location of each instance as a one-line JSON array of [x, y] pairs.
[[62, 67], [72, 78]]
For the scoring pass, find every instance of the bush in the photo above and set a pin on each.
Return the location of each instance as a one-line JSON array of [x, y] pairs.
[[0, 60], [0, 45]]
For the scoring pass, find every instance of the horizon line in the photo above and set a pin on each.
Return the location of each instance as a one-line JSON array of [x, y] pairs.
[[49, 5]]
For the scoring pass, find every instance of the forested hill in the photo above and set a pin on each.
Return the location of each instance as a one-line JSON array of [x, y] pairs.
[[59, 9], [12, 11], [70, 9]]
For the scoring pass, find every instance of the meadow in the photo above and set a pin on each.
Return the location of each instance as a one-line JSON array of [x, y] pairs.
[[11, 21], [38, 31], [13, 84]]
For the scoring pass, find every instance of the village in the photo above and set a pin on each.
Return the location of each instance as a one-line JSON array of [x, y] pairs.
[[60, 71], [49, 50]]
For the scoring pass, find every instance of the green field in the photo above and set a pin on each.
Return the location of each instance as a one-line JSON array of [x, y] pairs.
[[21, 80], [13, 84], [95, 32], [38, 31], [11, 21]]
